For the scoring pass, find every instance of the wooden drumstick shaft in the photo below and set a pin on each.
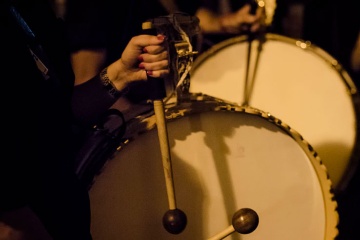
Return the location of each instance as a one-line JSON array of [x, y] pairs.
[[165, 151], [226, 232]]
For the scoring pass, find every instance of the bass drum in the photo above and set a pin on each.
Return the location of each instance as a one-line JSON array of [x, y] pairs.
[[224, 158], [297, 82]]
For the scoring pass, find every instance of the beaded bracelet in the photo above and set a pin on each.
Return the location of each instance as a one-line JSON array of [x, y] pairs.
[[109, 85]]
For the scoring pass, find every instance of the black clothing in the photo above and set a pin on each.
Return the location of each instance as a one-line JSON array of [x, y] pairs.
[[38, 168]]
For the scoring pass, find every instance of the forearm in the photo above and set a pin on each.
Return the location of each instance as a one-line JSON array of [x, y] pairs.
[[92, 95], [143, 55], [230, 23], [90, 100], [209, 21]]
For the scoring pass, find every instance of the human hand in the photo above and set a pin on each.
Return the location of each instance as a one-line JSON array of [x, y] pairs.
[[144, 55], [242, 20]]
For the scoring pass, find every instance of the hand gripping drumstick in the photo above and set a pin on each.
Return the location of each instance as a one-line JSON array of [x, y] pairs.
[[244, 221], [174, 220]]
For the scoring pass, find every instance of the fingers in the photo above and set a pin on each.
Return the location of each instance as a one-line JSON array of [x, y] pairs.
[[155, 68], [157, 54], [154, 60], [157, 73], [247, 21], [145, 52], [146, 40], [243, 15], [154, 49]]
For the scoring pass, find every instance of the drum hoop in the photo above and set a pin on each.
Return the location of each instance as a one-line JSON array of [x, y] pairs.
[[204, 103], [351, 88]]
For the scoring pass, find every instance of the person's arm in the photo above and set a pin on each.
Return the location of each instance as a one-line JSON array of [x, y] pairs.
[[233, 23], [144, 55], [86, 63]]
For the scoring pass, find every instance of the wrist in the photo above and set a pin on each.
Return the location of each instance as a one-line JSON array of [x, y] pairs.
[[110, 86]]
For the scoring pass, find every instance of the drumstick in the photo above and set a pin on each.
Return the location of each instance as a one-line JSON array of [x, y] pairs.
[[174, 220], [260, 35], [165, 151], [244, 221], [157, 94], [247, 71]]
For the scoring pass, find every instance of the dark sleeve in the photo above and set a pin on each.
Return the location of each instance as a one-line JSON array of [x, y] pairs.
[[41, 124], [90, 100]]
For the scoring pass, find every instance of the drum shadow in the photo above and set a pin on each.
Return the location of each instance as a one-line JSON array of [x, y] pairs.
[[339, 173]]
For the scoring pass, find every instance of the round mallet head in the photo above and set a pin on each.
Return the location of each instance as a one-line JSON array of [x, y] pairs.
[[245, 220], [174, 221]]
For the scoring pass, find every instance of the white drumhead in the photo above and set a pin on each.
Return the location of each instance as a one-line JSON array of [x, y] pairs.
[[222, 160], [299, 83]]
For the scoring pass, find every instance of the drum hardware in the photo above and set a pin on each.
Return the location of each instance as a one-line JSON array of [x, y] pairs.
[[184, 61]]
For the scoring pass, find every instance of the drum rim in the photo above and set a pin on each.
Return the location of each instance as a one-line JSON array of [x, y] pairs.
[[204, 103], [351, 89]]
